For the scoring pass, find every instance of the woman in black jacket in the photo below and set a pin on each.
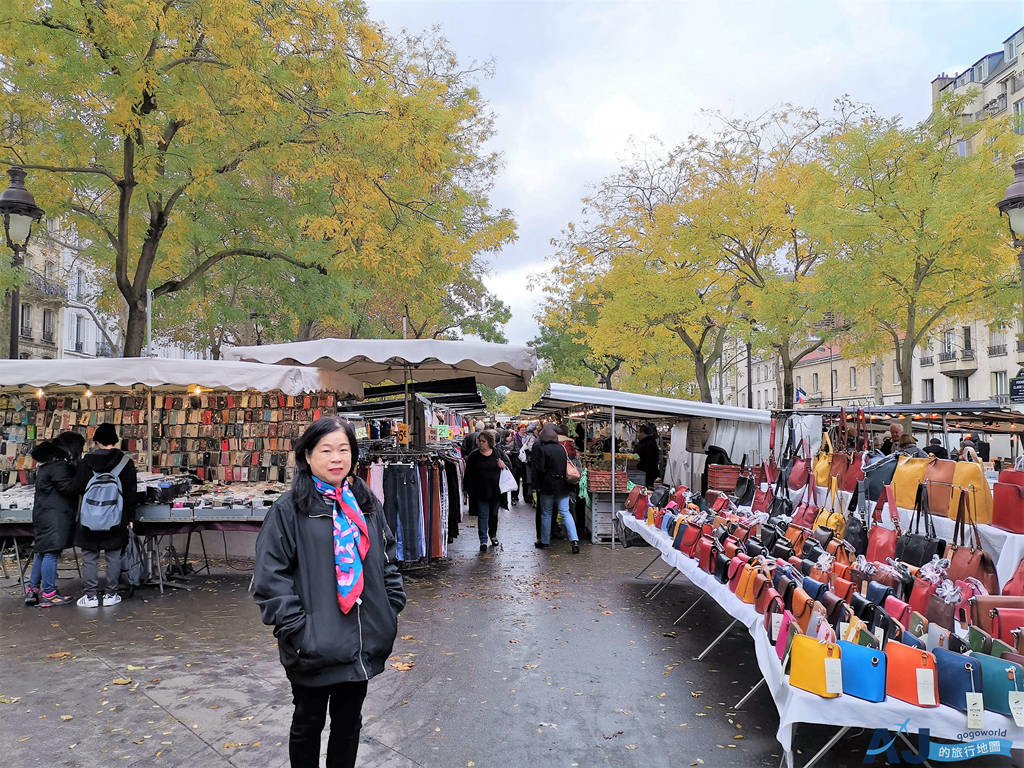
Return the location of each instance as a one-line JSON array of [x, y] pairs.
[[549, 459], [53, 514], [483, 468], [326, 578], [649, 453]]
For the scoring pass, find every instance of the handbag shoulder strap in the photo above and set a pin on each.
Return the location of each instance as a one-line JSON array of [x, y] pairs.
[[811, 491], [842, 428], [833, 493], [887, 497], [771, 440], [825, 439], [960, 528]]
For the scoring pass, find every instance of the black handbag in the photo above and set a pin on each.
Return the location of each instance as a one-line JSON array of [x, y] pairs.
[[812, 549], [745, 486], [781, 507], [878, 474], [659, 496], [917, 548], [782, 549], [856, 533], [722, 562], [863, 608], [754, 547]]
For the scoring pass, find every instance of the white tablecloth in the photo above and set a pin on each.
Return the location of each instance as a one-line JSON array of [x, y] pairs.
[[798, 706]]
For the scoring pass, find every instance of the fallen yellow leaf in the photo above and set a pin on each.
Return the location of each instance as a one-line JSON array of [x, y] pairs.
[[65, 718], [122, 681], [404, 666], [58, 655]]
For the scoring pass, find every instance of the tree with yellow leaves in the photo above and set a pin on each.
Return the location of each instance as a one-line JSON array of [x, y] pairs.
[[179, 136]]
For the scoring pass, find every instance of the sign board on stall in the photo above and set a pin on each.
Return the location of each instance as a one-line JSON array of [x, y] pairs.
[[432, 435], [1017, 389], [361, 433], [403, 433], [444, 432], [698, 433]]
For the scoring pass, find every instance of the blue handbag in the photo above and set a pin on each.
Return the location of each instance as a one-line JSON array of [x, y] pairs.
[[863, 671], [814, 588], [958, 675], [878, 592], [998, 678], [912, 641]]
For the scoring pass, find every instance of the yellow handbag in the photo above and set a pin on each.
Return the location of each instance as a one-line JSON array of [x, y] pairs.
[[807, 665], [828, 515], [651, 511], [745, 588], [969, 476], [908, 475], [823, 461]]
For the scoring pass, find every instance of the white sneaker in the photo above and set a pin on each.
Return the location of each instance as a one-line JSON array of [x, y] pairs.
[[87, 602], [111, 598]]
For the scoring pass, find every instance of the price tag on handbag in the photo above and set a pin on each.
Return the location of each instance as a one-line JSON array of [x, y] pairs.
[[975, 711], [880, 636], [844, 630], [833, 676], [776, 626], [926, 687], [1017, 707]]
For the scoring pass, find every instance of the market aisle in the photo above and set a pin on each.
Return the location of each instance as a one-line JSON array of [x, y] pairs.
[[515, 657]]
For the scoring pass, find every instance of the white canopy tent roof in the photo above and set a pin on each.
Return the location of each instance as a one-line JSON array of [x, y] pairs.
[[164, 374], [372, 361]]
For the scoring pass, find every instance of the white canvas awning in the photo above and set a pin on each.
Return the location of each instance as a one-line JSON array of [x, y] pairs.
[[372, 361], [162, 374]]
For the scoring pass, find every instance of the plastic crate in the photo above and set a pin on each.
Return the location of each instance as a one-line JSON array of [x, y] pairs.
[[601, 480], [723, 477]]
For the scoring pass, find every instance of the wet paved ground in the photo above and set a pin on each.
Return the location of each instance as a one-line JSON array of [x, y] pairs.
[[514, 657]]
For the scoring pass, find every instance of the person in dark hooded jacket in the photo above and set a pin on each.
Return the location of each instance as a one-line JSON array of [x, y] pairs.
[[106, 457], [549, 460], [326, 577], [53, 514]]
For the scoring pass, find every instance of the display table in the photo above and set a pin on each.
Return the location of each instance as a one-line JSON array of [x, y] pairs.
[[796, 706]]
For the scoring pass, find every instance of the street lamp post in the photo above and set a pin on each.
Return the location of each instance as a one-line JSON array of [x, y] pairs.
[[1013, 206], [19, 210]]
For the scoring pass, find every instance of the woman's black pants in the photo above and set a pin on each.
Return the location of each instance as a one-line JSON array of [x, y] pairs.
[[345, 701]]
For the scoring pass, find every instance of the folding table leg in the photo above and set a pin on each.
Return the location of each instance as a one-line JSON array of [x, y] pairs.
[[751, 692], [718, 639], [21, 568], [828, 745], [694, 605], [913, 749], [657, 557], [658, 590], [661, 584], [3, 557]]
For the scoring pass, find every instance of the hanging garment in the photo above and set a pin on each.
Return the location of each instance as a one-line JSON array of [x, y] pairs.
[[401, 507], [376, 480]]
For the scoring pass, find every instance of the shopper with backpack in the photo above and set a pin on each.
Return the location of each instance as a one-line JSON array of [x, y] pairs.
[[107, 480]]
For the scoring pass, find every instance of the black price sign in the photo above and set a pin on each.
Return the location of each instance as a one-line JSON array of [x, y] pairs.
[[1017, 389]]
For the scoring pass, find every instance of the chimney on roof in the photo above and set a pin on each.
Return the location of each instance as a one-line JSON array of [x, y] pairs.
[[938, 84]]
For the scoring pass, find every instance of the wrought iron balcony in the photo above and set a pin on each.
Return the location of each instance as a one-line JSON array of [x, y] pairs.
[[929, 360], [945, 357], [46, 285], [997, 350], [103, 350], [967, 354], [48, 336], [26, 332]]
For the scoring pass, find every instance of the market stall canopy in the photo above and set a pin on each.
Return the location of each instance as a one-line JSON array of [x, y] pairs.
[[395, 408], [596, 403], [164, 374], [983, 416], [372, 361]]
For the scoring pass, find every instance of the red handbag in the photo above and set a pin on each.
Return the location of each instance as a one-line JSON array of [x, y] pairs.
[[898, 609], [1015, 586], [771, 469], [692, 537], [882, 541], [707, 549], [1005, 621], [801, 467], [805, 514], [640, 507], [921, 594], [854, 471], [967, 561], [1008, 506]]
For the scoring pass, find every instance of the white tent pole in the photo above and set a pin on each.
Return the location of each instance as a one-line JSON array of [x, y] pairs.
[[613, 478], [149, 429]]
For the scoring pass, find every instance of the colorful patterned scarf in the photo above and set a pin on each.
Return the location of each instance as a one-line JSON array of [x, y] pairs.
[[351, 542]]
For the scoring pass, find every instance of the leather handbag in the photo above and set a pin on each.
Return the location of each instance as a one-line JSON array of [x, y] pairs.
[[881, 540], [913, 642], [918, 625], [707, 549], [841, 459], [796, 536], [788, 631], [908, 475], [753, 547], [800, 467], [958, 675], [939, 612], [841, 551], [842, 587], [771, 469], [898, 609], [863, 671], [837, 610], [807, 665], [970, 561], [998, 678], [765, 596], [721, 567], [762, 499], [640, 505], [915, 547], [862, 607], [969, 480], [854, 473], [938, 479], [814, 588], [856, 526], [1005, 621], [902, 678], [823, 536], [831, 516], [735, 570], [786, 586], [978, 639], [807, 509], [634, 496], [921, 595], [781, 507], [878, 473], [877, 593], [1015, 586], [1008, 507], [745, 485], [823, 461], [981, 607]]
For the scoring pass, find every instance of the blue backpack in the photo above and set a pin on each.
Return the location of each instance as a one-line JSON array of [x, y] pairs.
[[103, 501]]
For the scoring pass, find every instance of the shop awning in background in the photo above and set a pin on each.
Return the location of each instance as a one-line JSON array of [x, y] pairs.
[[372, 361], [159, 373], [983, 416], [597, 404]]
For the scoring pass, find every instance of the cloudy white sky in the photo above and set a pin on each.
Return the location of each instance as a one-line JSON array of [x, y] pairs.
[[575, 81]]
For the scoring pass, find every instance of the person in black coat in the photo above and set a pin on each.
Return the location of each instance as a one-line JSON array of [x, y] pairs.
[[326, 578], [483, 469], [936, 449], [53, 514], [105, 458], [649, 453], [548, 460]]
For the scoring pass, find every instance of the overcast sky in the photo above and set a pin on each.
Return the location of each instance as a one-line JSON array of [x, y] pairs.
[[575, 81]]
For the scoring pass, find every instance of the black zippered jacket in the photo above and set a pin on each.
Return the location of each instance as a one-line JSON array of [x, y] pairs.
[[296, 591]]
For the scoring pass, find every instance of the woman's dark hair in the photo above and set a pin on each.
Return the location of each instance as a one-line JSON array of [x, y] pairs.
[[304, 493], [73, 443], [489, 437]]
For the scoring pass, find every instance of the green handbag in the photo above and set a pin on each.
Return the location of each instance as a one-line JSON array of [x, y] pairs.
[[999, 649], [998, 678], [979, 640]]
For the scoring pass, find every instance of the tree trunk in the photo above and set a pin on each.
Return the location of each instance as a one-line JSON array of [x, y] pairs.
[[306, 330], [700, 372], [906, 358], [135, 333], [788, 390]]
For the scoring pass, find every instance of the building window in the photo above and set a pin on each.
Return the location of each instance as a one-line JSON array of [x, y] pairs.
[[961, 148], [26, 320], [814, 383], [853, 377], [49, 270], [895, 373], [835, 380], [999, 385], [967, 337], [79, 333], [961, 388], [928, 390], [80, 284], [48, 325], [799, 383], [1018, 116], [948, 342], [758, 399]]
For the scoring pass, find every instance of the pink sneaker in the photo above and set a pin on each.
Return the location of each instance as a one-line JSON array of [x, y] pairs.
[[47, 600], [31, 595]]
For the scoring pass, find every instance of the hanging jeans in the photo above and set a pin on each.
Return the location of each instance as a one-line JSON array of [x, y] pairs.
[[345, 701], [44, 572], [487, 518], [547, 505], [402, 509]]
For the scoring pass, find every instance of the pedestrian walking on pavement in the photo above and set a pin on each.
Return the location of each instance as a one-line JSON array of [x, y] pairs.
[[483, 469], [549, 458], [326, 578], [53, 514], [107, 480]]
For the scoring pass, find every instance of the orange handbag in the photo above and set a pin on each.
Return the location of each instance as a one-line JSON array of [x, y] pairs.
[[807, 611], [797, 536], [938, 478], [969, 479], [910, 675], [745, 589], [842, 587]]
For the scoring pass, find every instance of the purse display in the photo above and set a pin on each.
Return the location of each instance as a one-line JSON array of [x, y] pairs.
[[881, 540], [830, 516], [807, 665], [863, 671], [910, 675], [970, 561], [913, 546], [958, 675]]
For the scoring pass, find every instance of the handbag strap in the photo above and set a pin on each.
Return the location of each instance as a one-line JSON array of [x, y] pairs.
[[921, 510], [842, 428], [833, 494], [960, 528], [811, 491], [771, 441], [826, 439], [887, 497], [862, 430]]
